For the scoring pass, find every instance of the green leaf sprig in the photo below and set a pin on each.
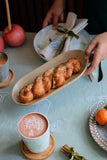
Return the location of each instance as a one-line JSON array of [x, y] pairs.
[[105, 107], [73, 154]]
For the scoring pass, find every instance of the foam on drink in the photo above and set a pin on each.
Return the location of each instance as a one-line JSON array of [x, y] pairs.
[[33, 125]]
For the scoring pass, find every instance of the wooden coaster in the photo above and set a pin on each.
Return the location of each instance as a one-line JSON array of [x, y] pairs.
[[39, 156], [8, 81]]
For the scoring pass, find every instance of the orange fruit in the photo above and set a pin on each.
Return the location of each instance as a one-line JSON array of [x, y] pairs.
[[101, 116]]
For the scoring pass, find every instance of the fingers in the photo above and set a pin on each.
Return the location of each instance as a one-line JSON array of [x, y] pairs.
[[98, 45], [47, 20], [54, 14], [93, 58], [51, 19], [94, 64], [62, 17], [92, 45], [55, 21]]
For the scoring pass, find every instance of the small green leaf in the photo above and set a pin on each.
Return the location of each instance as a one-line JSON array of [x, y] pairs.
[[105, 107]]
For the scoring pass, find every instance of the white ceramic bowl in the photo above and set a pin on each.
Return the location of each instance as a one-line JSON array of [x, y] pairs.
[[41, 39]]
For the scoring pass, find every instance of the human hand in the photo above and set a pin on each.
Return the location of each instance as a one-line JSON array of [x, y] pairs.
[[54, 13], [99, 45]]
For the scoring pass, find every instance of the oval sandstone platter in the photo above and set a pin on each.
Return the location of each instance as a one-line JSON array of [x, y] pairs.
[[30, 77]]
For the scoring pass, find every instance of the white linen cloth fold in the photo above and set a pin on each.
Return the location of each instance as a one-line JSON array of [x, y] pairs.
[[73, 24], [80, 24]]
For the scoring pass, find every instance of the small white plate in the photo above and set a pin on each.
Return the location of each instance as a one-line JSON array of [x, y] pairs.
[[41, 39], [98, 132]]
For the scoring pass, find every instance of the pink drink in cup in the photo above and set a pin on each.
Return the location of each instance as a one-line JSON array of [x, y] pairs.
[[33, 125], [34, 129]]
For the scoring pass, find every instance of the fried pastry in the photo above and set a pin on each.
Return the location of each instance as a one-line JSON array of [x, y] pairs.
[[26, 94], [47, 79], [76, 64], [38, 87], [69, 69], [59, 76], [52, 78]]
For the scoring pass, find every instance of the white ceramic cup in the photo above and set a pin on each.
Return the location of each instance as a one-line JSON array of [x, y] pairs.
[[37, 144]]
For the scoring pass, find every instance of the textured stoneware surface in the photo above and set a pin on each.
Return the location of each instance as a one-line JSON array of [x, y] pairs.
[[79, 54]]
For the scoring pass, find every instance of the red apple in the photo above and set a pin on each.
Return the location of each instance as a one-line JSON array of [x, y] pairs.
[[15, 37], [1, 45]]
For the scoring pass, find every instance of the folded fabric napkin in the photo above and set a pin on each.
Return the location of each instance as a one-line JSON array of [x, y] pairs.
[[71, 28], [80, 24]]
